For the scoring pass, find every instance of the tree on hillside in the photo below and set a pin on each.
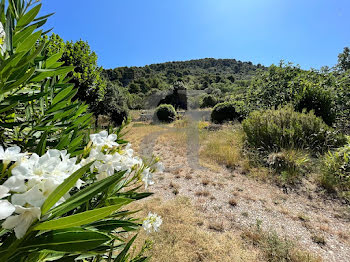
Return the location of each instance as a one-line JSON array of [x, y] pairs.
[[344, 60]]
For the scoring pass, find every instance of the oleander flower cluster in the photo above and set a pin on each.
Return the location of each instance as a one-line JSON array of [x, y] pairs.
[[32, 178], [152, 223], [110, 157]]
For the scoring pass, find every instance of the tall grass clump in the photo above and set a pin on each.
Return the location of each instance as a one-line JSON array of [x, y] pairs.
[[275, 248], [335, 169], [273, 130], [288, 163]]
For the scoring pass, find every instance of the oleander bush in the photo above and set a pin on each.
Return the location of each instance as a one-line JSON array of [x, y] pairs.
[[165, 113], [224, 112], [63, 191], [273, 130], [336, 171]]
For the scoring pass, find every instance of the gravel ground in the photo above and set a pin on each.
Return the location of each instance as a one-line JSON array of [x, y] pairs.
[[231, 201]]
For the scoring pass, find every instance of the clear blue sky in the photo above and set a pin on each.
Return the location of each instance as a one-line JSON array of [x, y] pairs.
[[139, 32]]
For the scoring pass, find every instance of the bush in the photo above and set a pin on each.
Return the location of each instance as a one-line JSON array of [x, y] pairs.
[[165, 113], [272, 130], [336, 171], [225, 112], [208, 101], [318, 100]]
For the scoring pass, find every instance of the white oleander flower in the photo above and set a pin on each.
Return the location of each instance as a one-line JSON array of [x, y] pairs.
[[33, 179], [6, 208], [146, 177], [22, 221], [55, 166], [103, 139], [2, 39], [128, 150], [10, 154], [109, 164], [152, 222]]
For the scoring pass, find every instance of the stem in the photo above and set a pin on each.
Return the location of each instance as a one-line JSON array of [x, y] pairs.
[[3, 172], [12, 249]]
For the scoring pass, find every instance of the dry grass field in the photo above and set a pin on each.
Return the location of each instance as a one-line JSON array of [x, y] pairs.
[[222, 210]]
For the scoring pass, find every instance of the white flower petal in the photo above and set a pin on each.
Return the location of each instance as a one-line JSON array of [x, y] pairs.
[[16, 184], [4, 191], [11, 222], [22, 222], [14, 150], [6, 209]]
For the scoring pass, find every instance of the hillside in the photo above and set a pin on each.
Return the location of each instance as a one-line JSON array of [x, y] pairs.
[[195, 73], [214, 76]]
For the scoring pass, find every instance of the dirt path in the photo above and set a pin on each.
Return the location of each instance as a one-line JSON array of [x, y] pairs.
[[231, 201]]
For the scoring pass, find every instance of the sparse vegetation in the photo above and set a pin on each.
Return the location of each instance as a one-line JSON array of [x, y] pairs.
[[224, 147], [276, 249], [318, 239], [182, 237]]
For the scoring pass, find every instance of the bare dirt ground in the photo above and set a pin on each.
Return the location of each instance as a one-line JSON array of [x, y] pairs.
[[230, 201]]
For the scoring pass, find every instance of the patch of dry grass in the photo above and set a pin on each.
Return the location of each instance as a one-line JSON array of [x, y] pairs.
[[181, 237], [137, 131], [217, 226], [232, 202], [181, 123], [223, 147], [205, 182], [275, 249], [135, 114], [204, 193]]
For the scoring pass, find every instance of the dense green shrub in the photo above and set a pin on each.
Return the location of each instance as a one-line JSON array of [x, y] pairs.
[[165, 113], [272, 130], [318, 100], [336, 171], [225, 111], [208, 101]]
